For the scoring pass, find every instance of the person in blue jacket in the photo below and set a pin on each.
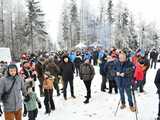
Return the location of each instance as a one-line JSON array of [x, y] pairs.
[[87, 55], [123, 75], [72, 56]]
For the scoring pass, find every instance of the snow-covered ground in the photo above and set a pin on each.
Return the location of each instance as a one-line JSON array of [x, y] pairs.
[[102, 106]]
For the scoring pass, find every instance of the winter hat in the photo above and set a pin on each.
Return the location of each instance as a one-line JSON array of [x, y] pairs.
[[141, 62], [48, 74], [12, 66], [24, 62], [41, 59]]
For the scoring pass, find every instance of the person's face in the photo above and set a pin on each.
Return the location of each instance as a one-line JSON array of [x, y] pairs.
[[26, 65], [12, 71], [87, 62], [46, 76], [122, 57], [66, 60]]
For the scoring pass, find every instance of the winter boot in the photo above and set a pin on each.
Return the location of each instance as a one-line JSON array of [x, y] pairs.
[[133, 109], [158, 118], [86, 101], [73, 96], [123, 106], [87, 97]]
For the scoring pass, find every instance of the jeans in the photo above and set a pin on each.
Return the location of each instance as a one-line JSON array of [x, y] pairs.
[[126, 89]]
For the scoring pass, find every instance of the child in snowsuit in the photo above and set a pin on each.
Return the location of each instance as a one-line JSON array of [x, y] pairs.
[[30, 102]]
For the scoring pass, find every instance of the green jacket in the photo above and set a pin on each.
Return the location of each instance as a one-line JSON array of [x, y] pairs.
[[32, 103]]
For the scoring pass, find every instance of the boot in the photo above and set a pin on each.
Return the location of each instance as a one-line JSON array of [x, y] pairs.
[[65, 98], [73, 96], [158, 118], [87, 97], [133, 109], [86, 101], [123, 106]]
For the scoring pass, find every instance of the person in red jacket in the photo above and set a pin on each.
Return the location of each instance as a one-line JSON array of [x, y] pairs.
[[139, 76]]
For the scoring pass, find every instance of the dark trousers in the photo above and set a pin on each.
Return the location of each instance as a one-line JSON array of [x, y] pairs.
[[159, 105], [41, 86], [25, 110], [112, 84], [140, 84], [153, 62], [87, 84], [103, 84], [65, 87], [77, 70], [95, 61], [56, 85], [48, 100], [32, 114]]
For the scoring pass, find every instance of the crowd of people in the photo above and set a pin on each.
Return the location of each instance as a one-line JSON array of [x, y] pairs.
[[124, 70]]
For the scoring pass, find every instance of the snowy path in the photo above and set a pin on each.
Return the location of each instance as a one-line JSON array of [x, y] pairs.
[[102, 105]]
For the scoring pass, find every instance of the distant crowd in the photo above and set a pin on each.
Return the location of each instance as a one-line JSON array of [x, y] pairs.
[[123, 70]]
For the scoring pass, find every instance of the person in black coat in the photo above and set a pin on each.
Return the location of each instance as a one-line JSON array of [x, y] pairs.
[[103, 74], [153, 57], [157, 83], [95, 57], [67, 70]]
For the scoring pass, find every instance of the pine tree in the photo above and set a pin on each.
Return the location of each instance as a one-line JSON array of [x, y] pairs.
[[110, 20], [36, 25], [65, 42], [74, 24], [132, 37]]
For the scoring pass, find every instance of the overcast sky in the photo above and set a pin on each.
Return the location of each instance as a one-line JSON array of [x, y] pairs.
[[147, 10]]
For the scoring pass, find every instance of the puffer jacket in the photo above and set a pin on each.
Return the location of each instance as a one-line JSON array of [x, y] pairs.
[[87, 72], [14, 101]]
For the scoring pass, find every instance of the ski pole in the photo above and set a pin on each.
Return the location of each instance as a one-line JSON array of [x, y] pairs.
[[135, 102], [117, 108]]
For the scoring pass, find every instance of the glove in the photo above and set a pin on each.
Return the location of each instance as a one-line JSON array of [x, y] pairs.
[[39, 105], [118, 73], [122, 74], [1, 111], [27, 98]]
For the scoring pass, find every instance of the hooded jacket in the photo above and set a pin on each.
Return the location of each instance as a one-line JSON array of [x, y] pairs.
[[14, 101]]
